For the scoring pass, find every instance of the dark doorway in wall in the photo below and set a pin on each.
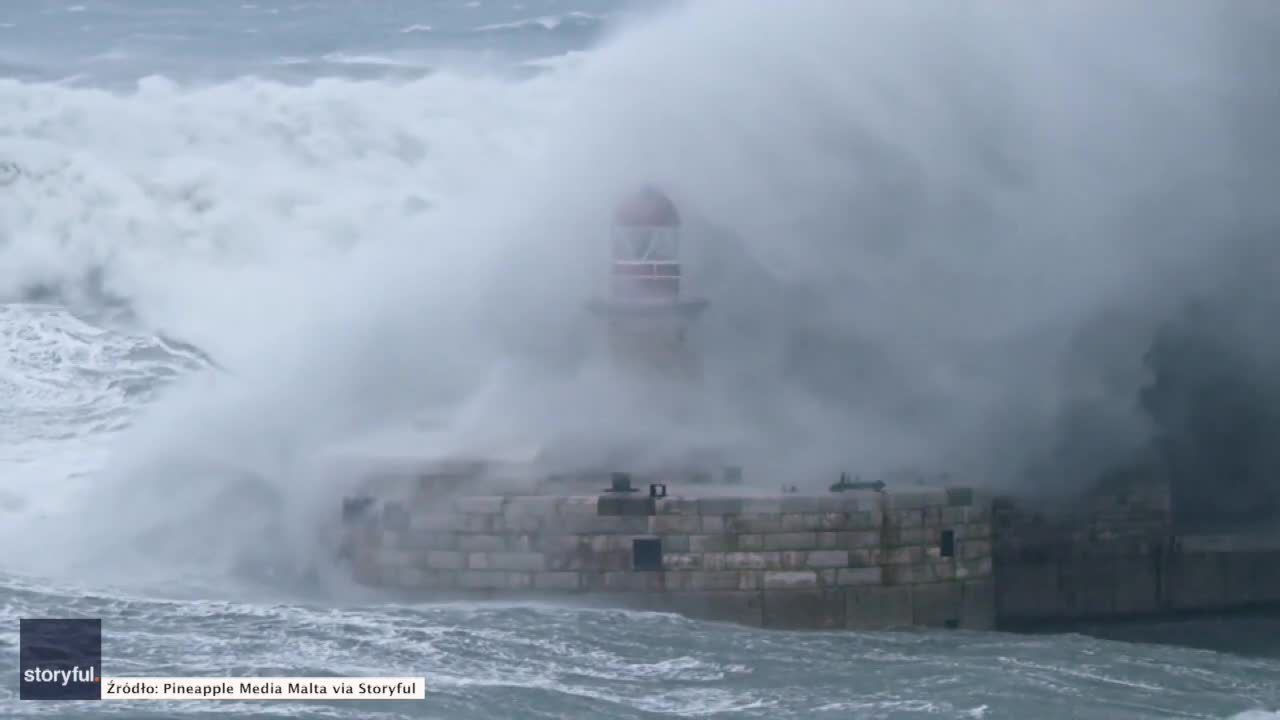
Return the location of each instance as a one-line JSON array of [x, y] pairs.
[[646, 554]]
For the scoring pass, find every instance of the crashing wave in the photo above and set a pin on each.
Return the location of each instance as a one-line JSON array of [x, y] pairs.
[[546, 22]]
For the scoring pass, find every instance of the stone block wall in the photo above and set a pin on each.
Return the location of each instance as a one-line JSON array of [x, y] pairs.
[[1115, 556], [849, 560]]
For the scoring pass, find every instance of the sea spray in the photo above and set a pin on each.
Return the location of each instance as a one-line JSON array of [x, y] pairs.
[[910, 217]]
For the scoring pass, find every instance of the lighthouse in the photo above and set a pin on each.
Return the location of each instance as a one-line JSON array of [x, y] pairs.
[[648, 305]]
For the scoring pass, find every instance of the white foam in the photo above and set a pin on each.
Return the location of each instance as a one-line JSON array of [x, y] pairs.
[[894, 278], [546, 22]]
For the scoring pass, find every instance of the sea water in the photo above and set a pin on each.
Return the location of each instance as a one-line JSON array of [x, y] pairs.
[[235, 235]]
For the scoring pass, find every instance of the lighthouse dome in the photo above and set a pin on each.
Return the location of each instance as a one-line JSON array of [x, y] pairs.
[[649, 207]]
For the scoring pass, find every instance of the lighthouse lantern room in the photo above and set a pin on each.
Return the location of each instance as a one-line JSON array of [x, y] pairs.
[[646, 248], [648, 305]]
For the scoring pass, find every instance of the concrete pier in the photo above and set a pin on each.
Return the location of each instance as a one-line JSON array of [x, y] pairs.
[[865, 560], [1117, 558], [946, 557]]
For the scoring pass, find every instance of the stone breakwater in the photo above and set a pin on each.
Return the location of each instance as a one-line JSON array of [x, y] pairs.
[[863, 560], [1116, 556]]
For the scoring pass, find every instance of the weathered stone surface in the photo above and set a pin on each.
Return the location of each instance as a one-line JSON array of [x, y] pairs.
[[859, 576], [1029, 590], [554, 542], [392, 556], [849, 520], [720, 506], [682, 561], [936, 605], [874, 607], [1238, 572], [830, 541], [903, 556], [675, 524], [708, 580], [744, 524], [1137, 585], [970, 549], [475, 523], [625, 580], [522, 542], [746, 560], [676, 580], [415, 578], [604, 525], [811, 504], [787, 559], [523, 523], [368, 572], [445, 560], [816, 553], [976, 568], [676, 543], [861, 501], [1089, 586], [626, 506], [412, 539], [479, 504], [711, 524], [610, 543], [481, 543], [577, 505], [791, 541], [676, 506], [612, 560], [860, 521], [494, 580], [897, 536], [395, 517], [428, 521], [800, 522], [928, 572], [863, 539], [973, 531], [790, 579], [865, 557], [566, 581], [916, 499], [1266, 577], [828, 558], [711, 543], [959, 496], [410, 577], [761, 506], [524, 561], [1196, 580], [978, 604], [804, 609], [955, 515], [538, 506]]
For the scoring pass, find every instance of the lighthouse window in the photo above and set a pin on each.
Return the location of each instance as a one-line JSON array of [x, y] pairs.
[[646, 244]]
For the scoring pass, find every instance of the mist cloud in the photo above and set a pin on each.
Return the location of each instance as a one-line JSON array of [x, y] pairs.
[[942, 235]]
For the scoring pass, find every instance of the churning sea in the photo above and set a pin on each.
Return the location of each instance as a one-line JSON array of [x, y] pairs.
[[181, 184]]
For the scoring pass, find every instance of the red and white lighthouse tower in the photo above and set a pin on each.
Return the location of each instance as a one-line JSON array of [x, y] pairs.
[[648, 305]]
